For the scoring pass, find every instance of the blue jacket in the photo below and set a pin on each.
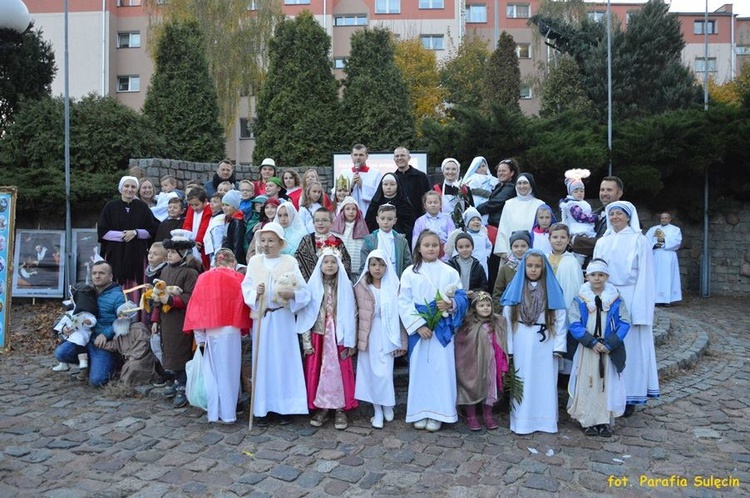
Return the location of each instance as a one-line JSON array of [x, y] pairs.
[[109, 300], [614, 333]]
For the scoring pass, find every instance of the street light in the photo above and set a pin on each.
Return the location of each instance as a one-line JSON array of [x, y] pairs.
[[14, 16]]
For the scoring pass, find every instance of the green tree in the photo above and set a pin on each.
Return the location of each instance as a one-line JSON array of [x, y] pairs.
[[462, 76], [236, 43], [27, 67], [181, 104], [563, 90], [298, 108], [31, 152], [502, 77], [376, 107], [419, 67]]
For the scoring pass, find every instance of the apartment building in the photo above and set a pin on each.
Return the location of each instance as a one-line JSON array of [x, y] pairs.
[[108, 40]]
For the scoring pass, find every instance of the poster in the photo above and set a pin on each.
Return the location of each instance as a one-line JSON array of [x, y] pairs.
[[38, 263], [86, 251], [7, 224], [380, 161]]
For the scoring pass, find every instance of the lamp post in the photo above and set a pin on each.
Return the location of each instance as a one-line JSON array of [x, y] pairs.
[[14, 16]]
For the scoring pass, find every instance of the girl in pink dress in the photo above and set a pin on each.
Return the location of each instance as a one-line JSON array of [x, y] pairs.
[[328, 328]]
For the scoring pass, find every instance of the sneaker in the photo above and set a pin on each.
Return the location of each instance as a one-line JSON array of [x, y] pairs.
[[319, 418], [285, 419], [604, 430], [262, 421], [420, 424], [170, 391], [388, 413], [340, 422], [159, 383], [433, 425], [61, 367], [629, 411], [180, 400], [591, 431]]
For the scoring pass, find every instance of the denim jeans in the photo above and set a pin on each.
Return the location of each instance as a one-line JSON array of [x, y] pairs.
[[102, 364]]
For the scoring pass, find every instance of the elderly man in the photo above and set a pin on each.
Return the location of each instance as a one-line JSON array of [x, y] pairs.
[[224, 173], [414, 182], [665, 239], [364, 180], [102, 363], [610, 190]]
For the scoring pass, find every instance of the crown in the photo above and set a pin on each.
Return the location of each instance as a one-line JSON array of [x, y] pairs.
[[331, 245], [343, 182]]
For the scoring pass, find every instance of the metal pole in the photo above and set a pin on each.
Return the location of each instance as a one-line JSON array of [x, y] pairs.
[[69, 276], [706, 259], [609, 86]]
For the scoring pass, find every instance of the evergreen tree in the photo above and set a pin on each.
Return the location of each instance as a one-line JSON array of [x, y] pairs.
[[376, 107], [502, 77], [181, 104], [463, 75], [298, 110], [563, 90], [27, 67]]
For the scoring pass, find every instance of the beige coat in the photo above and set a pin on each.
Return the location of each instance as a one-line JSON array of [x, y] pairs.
[[366, 307]]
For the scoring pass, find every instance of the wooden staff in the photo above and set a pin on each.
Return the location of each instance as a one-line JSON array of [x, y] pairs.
[[255, 344]]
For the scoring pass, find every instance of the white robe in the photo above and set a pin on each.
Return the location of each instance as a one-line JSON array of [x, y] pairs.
[[279, 378], [666, 266], [518, 214], [537, 366], [222, 361], [374, 380], [570, 277], [432, 367], [363, 194], [631, 269]]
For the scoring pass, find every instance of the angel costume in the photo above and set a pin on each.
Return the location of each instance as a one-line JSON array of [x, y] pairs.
[[432, 362], [631, 271], [279, 379], [379, 334], [533, 344]]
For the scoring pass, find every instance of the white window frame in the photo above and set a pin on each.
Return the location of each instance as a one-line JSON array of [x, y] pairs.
[[296, 2], [698, 27], [519, 51], [349, 20], [387, 6], [129, 3], [339, 62], [431, 4], [712, 67], [479, 8], [596, 15], [512, 11], [133, 39], [526, 93], [133, 83], [432, 42]]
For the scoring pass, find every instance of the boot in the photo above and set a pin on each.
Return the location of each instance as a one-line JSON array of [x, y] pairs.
[[83, 361], [471, 418], [489, 420]]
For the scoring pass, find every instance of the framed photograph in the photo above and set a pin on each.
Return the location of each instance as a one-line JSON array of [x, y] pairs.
[[38, 263], [7, 225], [86, 251], [377, 160]]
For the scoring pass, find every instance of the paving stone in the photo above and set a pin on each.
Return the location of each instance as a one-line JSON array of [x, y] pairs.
[[348, 474], [285, 473], [336, 488], [542, 482], [16, 451], [325, 466]]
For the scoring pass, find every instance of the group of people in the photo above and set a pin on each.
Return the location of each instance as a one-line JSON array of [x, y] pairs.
[[477, 284]]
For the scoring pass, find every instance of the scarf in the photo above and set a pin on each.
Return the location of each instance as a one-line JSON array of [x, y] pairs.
[[534, 303]]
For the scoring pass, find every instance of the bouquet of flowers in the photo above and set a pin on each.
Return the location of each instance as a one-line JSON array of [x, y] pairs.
[[464, 200]]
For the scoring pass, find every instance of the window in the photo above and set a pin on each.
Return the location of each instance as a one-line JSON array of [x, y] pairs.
[[128, 83], [246, 131], [700, 65], [518, 11], [431, 4], [350, 20], [523, 50], [253, 5], [296, 2], [526, 92], [476, 13], [743, 50], [387, 6], [597, 16], [432, 42], [131, 39], [698, 27], [339, 62], [128, 3]]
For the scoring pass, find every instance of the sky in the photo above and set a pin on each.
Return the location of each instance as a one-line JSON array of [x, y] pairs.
[[740, 7]]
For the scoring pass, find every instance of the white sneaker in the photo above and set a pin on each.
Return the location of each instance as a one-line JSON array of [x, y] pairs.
[[420, 424], [61, 367], [433, 425], [388, 413]]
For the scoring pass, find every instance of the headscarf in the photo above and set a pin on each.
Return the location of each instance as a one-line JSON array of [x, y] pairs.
[[359, 231], [125, 179], [458, 173], [513, 294], [473, 167], [388, 306], [346, 321], [532, 182], [629, 209], [400, 194], [296, 229]]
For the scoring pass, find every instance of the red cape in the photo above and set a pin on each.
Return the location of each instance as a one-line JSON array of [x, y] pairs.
[[217, 302]]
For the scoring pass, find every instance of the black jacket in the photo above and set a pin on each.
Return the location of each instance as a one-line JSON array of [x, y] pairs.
[[477, 278], [494, 206]]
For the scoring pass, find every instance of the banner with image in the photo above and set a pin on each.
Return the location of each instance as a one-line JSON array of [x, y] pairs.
[[7, 224]]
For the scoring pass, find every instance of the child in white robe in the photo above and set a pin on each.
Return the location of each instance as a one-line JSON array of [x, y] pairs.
[[380, 336], [534, 308], [432, 364]]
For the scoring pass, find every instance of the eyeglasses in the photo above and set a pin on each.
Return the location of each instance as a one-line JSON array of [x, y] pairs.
[[245, 190]]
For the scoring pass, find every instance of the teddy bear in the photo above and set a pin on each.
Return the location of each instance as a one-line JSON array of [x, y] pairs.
[[159, 294], [287, 281], [447, 295]]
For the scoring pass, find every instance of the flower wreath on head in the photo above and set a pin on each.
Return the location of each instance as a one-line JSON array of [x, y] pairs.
[[331, 242]]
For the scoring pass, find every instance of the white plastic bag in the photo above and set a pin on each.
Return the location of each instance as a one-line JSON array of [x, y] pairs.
[[195, 390]]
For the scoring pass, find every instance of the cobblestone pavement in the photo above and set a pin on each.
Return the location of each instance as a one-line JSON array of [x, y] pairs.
[[60, 438]]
